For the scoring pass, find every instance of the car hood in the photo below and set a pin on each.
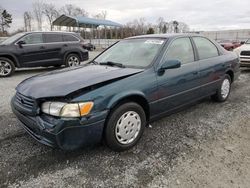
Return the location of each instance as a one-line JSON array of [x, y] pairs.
[[244, 47], [65, 81]]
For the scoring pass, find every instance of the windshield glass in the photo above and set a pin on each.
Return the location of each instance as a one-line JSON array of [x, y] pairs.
[[248, 41], [132, 52], [12, 38]]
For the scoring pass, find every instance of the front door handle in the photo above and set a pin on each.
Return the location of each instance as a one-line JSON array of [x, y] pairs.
[[42, 47]]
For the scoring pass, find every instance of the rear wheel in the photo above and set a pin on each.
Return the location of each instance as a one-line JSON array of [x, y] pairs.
[[7, 67], [125, 126], [224, 91], [72, 60]]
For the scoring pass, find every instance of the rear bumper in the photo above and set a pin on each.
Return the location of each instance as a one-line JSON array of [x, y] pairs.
[[84, 55], [67, 134]]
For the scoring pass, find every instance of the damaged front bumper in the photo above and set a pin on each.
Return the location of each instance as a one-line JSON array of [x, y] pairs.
[[65, 133]]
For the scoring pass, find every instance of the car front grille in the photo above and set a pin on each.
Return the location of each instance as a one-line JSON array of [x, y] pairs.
[[25, 104], [246, 53]]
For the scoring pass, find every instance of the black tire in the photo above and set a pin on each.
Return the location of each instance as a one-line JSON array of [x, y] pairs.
[[11, 66], [72, 55], [219, 96], [110, 128]]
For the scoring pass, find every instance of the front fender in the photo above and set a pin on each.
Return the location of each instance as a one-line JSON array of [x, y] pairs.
[[16, 61], [123, 95]]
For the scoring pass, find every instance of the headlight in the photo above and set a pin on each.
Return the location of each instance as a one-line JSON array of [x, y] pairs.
[[61, 109]]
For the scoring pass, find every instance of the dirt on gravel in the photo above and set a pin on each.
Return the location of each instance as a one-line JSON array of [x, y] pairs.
[[205, 145]]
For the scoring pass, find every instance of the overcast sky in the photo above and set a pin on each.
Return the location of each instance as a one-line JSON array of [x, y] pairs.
[[198, 14]]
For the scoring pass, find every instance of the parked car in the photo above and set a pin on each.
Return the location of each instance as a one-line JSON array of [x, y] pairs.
[[237, 43], [227, 44], [244, 53], [132, 83], [35, 49], [88, 46]]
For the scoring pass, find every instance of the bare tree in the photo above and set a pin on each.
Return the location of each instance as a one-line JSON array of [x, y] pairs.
[[101, 15], [161, 24], [51, 13], [5, 19], [27, 20], [72, 10], [183, 27], [38, 13]]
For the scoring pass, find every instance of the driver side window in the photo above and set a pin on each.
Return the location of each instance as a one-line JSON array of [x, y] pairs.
[[33, 38], [181, 49]]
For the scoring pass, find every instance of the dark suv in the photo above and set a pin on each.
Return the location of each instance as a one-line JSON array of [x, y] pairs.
[[35, 49]]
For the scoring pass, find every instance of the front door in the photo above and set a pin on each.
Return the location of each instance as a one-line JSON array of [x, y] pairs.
[[178, 86], [32, 52]]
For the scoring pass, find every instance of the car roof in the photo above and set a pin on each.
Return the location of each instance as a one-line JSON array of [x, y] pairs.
[[49, 32], [167, 35]]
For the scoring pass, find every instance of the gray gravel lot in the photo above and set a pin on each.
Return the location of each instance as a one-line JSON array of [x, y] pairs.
[[205, 145]]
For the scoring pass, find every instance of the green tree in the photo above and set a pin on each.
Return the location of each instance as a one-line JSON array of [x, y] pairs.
[[5, 19], [150, 30]]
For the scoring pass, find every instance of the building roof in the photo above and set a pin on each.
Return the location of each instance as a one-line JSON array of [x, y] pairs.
[[82, 21]]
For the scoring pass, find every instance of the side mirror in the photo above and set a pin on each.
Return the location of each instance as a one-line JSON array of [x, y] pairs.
[[21, 43], [242, 42], [171, 64]]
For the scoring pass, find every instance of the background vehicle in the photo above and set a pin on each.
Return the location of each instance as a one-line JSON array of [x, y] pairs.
[[88, 46], [244, 53], [227, 44], [135, 81], [35, 49]]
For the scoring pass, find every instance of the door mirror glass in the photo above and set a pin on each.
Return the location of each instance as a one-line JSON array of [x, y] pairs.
[[20, 43], [171, 64]]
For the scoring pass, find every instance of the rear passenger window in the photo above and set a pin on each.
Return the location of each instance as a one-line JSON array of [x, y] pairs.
[[181, 49], [70, 38], [206, 49], [53, 37]]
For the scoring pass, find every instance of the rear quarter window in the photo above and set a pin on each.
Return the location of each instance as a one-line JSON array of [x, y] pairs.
[[70, 38], [206, 49]]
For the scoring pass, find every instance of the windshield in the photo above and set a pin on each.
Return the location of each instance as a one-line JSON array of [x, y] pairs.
[[12, 38], [248, 41], [132, 52]]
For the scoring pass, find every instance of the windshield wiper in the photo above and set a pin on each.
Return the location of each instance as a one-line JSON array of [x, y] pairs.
[[93, 62], [110, 63]]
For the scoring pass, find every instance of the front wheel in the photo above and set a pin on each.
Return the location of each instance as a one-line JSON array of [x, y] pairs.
[[223, 92], [7, 67], [72, 60], [125, 126]]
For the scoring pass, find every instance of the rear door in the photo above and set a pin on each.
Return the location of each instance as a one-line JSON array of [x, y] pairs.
[[211, 64], [54, 46], [33, 51], [178, 86]]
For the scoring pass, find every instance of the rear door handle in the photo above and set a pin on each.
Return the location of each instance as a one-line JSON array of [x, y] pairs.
[[42, 47]]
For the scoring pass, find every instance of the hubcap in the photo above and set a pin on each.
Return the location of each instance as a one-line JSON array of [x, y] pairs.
[[225, 88], [73, 61], [5, 68], [128, 127]]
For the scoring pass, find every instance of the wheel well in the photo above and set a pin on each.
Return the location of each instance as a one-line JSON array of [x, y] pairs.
[[137, 99], [10, 58], [231, 74], [76, 53]]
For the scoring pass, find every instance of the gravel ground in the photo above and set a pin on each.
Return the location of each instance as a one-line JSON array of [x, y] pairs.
[[205, 145]]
